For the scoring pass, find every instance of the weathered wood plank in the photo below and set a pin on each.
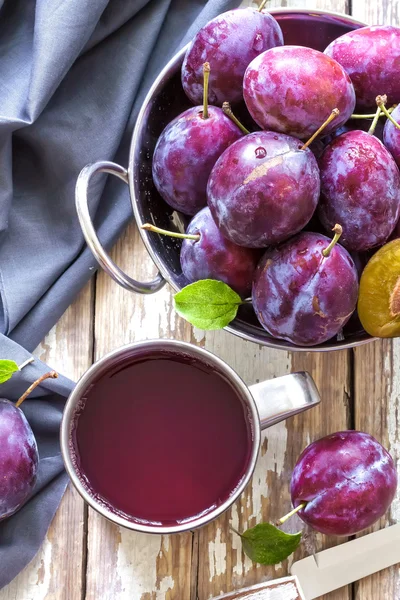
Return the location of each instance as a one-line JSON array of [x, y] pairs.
[[377, 371], [222, 565], [384, 12], [377, 411], [124, 565], [56, 573]]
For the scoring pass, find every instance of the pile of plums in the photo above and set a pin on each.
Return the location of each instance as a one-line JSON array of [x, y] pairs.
[[263, 201]]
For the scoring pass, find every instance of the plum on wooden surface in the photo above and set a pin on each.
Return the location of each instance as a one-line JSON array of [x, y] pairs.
[[347, 480]]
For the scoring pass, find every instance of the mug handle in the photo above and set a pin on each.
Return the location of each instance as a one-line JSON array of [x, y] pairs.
[[280, 398], [82, 208]]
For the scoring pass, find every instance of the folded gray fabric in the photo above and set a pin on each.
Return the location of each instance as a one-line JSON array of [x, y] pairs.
[[73, 74]]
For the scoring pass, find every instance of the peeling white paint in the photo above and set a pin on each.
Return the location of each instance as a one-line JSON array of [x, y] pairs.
[[241, 567], [136, 567], [198, 334], [217, 556]]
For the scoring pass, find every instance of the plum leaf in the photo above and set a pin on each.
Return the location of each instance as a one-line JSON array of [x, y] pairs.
[[7, 369], [268, 545], [207, 304]]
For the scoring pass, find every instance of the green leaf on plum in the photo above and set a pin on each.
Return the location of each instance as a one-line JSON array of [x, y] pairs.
[[7, 369], [207, 304], [268, 545]]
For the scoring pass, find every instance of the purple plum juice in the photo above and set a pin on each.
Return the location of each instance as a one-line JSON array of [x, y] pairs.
[[160, 440]]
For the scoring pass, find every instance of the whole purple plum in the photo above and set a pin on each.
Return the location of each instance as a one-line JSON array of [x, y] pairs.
[[391, 136], [18, 458], [302, 296], [214, 257], [360, 189], [263, 189], [186, 152], [347, 481], [229, 43], [294, 89], [371, 57]]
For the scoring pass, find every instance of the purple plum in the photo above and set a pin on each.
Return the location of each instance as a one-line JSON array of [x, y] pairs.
[[263, 189], [215, 257], [301, 295], [371, 57], [229, 43], [347, 480], [18, 458], [294, 89], [186, 152], [360, 189], [391, 136]]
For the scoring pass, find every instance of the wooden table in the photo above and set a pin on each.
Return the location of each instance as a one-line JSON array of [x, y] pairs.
[[86, 557]]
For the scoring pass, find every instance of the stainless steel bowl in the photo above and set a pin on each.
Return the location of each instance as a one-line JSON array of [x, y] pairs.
[[165, 100]]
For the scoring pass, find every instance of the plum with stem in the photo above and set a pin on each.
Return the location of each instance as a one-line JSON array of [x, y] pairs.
[[206, 254], [306, 289], [187, 150]]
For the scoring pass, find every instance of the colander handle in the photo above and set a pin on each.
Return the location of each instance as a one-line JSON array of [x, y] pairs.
[[82, 208]]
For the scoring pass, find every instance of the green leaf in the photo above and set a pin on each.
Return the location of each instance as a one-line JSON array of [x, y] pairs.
[[207, 304], [7, 368], [268, 545]]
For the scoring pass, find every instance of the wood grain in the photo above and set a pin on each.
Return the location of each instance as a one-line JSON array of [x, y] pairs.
[[377, 411], [123, 565], [56, 573], [377, 374]]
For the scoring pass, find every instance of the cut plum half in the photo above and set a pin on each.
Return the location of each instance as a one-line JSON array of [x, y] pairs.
[[379, 297]]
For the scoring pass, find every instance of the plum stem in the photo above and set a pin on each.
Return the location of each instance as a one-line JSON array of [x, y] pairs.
[[374, 123], [371, 116], [206, 76], [27, 362], [175, 234], [338, 232], [263, 3], [282, 520], [226, 108], [332, 116], [49, 375], [381, 101]]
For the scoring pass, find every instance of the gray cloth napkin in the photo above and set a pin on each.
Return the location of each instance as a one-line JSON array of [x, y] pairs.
[[73, 74]]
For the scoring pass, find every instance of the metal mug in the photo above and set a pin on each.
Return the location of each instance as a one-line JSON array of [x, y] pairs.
[[267, 403]]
